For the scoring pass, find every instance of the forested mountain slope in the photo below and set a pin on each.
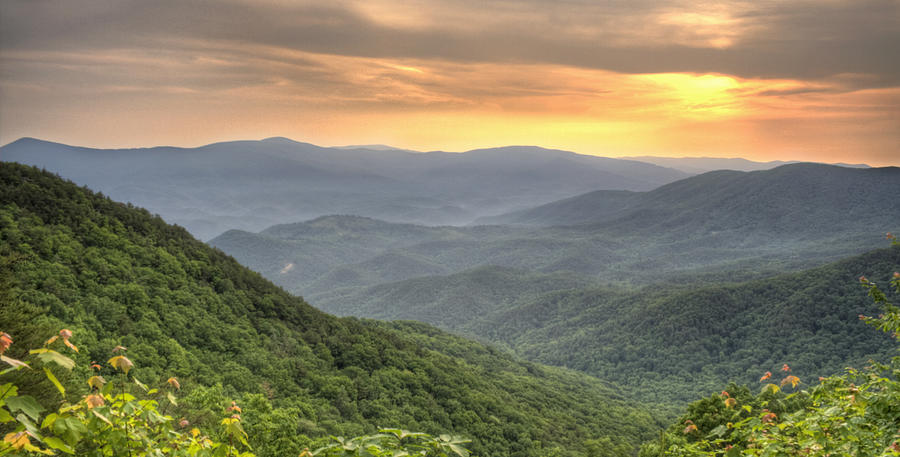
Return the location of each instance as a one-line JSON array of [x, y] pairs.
[[251, 185], [667, 341], [115, 275], [452, 302], [346, 251]]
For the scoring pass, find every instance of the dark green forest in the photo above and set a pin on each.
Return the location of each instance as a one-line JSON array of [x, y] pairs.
[[117, 275], [665, 342]]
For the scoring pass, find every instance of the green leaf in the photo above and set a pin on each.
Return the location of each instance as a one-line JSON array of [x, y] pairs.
[[769, 388], [141, 385], [49, 420], [24, 420], [49, 355], [26, 404], [171, 398], [55, 382], [718, 431], [459, 450], [9, 390], [106, 389], [70, 429], [58, 444], [5, 416]]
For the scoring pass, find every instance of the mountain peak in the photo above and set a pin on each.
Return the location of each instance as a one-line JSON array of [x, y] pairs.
[[28, 141], [374, 147], [279, 139]]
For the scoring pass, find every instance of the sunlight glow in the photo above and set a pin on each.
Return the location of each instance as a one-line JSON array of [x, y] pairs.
[[690, 95]]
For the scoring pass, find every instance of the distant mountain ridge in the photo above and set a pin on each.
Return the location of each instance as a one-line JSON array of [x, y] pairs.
[[800, 197], [251, 185], [699, 165], [725, 224]]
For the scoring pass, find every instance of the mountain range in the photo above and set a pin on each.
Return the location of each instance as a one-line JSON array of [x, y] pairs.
[[654, 285], [251, 185], [574, 282], [798, 197], [732, 224], [698, 165]]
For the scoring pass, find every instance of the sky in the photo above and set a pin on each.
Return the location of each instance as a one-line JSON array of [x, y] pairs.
[[814, 80]]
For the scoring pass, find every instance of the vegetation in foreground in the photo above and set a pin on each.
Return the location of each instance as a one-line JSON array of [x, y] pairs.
[[854, 414], [123, 416]]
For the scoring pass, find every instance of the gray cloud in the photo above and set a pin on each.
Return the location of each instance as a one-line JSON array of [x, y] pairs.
[[799, 40]]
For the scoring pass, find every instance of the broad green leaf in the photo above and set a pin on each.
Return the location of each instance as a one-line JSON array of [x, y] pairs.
[[141, 385], [71, 429], [107, 389], [8, 390], [24, 420], [49, 355], [55, 382], [770, 388], [33, 448], [460, 451], [48, 421], [58, 444], [26, 404], [718, 431]]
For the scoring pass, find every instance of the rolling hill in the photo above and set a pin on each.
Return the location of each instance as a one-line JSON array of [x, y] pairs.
[[668, 342], [116, 275], [250, 185], [733, 225]]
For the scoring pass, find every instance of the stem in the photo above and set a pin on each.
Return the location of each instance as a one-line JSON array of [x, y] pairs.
[[125, 381], [166, 407]]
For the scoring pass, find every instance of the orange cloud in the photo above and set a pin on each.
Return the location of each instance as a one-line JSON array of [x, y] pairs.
[[789, 80]]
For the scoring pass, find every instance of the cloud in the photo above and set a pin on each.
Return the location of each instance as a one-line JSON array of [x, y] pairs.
[[627, 75], [800, 39]]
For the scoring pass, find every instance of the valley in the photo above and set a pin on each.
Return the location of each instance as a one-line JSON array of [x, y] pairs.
[[593, 282]]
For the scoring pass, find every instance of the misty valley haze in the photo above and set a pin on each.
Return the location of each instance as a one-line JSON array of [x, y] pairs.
[[251, 185]]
